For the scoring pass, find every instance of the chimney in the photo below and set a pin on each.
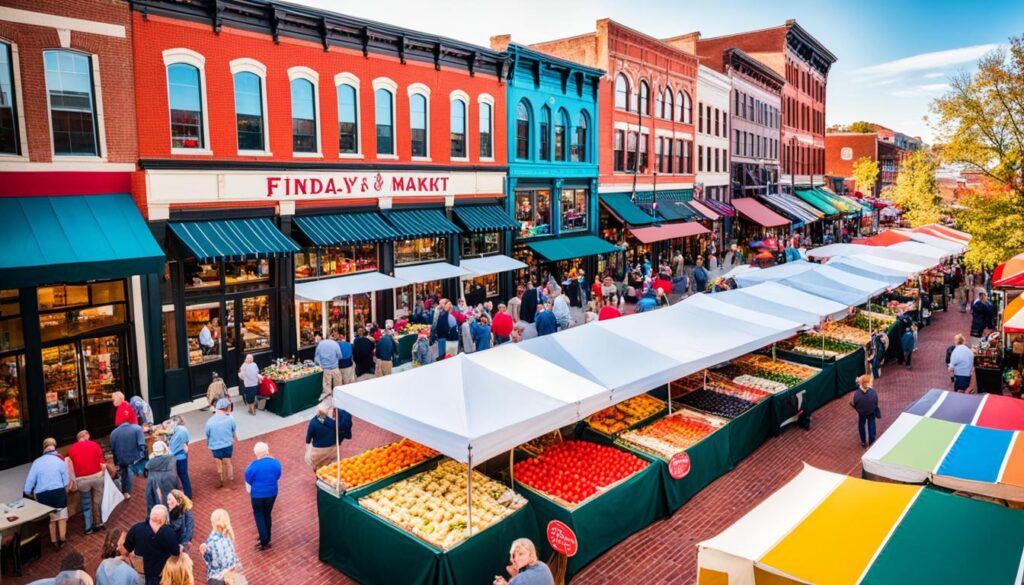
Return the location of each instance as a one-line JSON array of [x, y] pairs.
[[500, 42]]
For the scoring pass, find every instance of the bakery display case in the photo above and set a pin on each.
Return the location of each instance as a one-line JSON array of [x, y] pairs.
[[60, 379]]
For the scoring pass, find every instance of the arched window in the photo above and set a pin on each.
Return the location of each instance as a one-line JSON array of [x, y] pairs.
[[384, 110], [418, 124], [659, 104], [249, 111], [645, 97], [622, 92], [679, 107], [348, 119], [303, 116], [545, 134], [668, 103], [579, 148], [486, 128], [523, 130], [71, 91], [458, 128], [185, 94], [561, 136], [687, 117]]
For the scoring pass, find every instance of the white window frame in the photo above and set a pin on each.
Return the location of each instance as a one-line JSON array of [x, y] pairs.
[[423, 90], [313, 77], [486, 98], [97, 93], [197, 60], [247, 65], [346, 78], [462, 96], [19, 104], [390, 85]]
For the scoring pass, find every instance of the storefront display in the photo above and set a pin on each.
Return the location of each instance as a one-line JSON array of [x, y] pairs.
[[533, 212], [12, 335], [11, 392], [310, 318], [374, 465], [201, 276], [340, 260], [169, 336], [256, 323], [102, 368], [203, 347], [60, 379], [574, 209], [417, 250], [247, 272], [480, 244]]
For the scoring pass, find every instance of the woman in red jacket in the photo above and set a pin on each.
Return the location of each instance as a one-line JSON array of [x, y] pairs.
[[501, 325]]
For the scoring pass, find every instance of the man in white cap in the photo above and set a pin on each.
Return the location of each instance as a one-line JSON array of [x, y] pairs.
[[220, 440]]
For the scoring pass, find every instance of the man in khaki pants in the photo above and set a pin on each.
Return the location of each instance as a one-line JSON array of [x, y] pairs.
[[89, 464], [327, 356]]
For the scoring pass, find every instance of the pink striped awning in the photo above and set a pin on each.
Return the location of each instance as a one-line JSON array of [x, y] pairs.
[[669, 231], [704, 210]]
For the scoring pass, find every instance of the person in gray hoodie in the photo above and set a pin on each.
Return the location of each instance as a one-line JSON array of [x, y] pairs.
[[163, 475], [128, 445]]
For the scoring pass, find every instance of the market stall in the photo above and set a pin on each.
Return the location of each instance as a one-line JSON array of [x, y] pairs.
[[784, 302], [823, 527], [299, 386]]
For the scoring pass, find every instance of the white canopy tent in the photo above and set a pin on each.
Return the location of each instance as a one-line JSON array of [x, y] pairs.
[[908, 269], [919, 249], [343, 286], [935, 241], [854, 265], [490, 265], [837, 285], [777, 272], [784, 296], [833, 250], [740, 298], [419, 273]]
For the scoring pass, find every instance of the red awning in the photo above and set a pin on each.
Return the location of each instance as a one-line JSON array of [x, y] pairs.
[[946, 233], [755, 211], [887, 238], [704, 210], [669, 231]]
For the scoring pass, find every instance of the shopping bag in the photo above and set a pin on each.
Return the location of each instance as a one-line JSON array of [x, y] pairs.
[[267, 388], [112, 496]]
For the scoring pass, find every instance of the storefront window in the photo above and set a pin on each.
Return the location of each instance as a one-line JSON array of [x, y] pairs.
[[70, 310], [59, 324], [60, 379], [201, 276], [337, 260], [362, 309], [229, 327], [338, 316], [479, 289], [170, 337], [102, 367], [310, 320], [202, 325], [11, 392], [56, 297], [11, 332], [574, 209], [256, 323], [478, 244], [533, 212], [403, 302], [247, 271], [421, 250], [305, 264]]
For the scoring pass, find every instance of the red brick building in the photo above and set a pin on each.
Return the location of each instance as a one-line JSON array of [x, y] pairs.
[[74, 250], [342, 166], [844, 149], [804, 62], [646, 133]]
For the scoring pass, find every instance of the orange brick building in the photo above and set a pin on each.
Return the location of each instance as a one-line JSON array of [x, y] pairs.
[[844, 149]]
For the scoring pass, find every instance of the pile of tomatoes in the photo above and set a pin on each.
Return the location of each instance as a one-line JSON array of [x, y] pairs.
[[574, 470]]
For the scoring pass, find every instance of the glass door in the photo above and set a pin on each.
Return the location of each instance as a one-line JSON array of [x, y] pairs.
[[247, 330], [362, 309], [102, 367], [60, 380]]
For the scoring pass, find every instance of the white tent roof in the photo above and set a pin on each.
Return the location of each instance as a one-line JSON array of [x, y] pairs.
[[777, 272], [832, 250], [418, 273], [839, 250], [919, 249], [935, 241], [490, 265], [837, 285], [907, 269], [855, 266], [343, 286], [740, 298], [780, 294], [741, 269]]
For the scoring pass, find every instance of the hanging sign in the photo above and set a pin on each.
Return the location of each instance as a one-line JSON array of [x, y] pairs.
[[679, 465], [562, 538]]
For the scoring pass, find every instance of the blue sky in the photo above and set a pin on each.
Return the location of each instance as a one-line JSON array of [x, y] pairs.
[[894, 57]]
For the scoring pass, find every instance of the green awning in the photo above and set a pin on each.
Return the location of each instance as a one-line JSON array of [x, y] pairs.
[[232, 238], [621, 204], [50, 240], [844, 205], [418, 223], [677, 209], [345, 228], [815, 199], [564, 248], [485, 218]]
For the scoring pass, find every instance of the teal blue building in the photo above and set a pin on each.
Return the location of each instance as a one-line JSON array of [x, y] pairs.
[[553, 165]]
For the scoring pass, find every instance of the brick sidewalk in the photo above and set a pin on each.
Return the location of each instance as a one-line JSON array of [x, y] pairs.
[[663, 553]]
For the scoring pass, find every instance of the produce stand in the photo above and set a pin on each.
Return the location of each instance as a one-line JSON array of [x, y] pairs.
[[405, 343], [846, 368], [297, 394]]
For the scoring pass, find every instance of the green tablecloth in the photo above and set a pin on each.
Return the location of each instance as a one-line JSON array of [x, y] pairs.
[[848, 369], [748, 431], [606, 520], [373, 551], [818, 390], [405, 343], [296, 395]]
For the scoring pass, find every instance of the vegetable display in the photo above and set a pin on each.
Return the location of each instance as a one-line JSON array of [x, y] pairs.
[[615, 419], [671, 435], [716, 403], [816, 345], [375, 464], [282, 372], [574, 471]]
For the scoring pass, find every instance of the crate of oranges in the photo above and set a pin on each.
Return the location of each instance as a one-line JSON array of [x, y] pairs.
[[374, 465]]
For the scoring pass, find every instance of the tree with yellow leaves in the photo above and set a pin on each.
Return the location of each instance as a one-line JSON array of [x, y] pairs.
[[981, 121], [865, 175], [916, 191]]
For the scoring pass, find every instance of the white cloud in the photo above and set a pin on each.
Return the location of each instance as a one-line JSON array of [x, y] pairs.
[[928, 88], [925, 61], [935, 75]]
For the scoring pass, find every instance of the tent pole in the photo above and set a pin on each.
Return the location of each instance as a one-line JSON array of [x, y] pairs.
[[337, 448], [469, 484], [511, 469]]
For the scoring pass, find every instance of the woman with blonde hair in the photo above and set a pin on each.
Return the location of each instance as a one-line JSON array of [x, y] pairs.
[[178, 571], [524, 568], [181, 520], [222, 565]]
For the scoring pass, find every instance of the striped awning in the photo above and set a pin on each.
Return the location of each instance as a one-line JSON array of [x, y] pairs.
[[704, 210], [232, 238], [812, 197], [345, 229], [796, 208], [623, 207], [418, 223], [484, 218]]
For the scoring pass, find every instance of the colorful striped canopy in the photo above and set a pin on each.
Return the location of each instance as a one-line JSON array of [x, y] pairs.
[[941, 231], [823, 527], [1010, 274], [886, 238], [1013, 316]]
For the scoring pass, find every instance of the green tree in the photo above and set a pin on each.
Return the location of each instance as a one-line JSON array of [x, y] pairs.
[[980, 120], [860, 127], [916, 190], [865, 174]]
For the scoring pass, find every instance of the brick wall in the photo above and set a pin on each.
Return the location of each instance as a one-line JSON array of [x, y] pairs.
[[860, 145]]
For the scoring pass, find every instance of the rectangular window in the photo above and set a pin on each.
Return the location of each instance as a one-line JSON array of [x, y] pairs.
[[670, 159], [341, 260], [632, 143], [9, 140], [717, 123], [680, 166], [486, 130], [688, 156], [249, 111], [348, 120], [619, 152], [644, 139], [743, 106], [60, 379], [736, 144], [488, 283], [169, 332], [700, 117], [544, 144], [201, 276], [69, 84], [186, 106], [658, 154], [421, 250], [11, 331], [203, 328], [305, 264], [303, 116], [247, 272], [256, 323], [700, 159], [533, 212], [560, 137], [480, 243], [718, 156], [458, 129], [574, 209], [310, 321], [12, 391], [418, 124], [384, 108]]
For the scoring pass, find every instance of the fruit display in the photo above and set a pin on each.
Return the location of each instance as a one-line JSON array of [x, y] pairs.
[[432, 505], [410, 328], [715, 403], [615, 419], [869, 321], [847, 333], [283, 371], [574, 471], [816, 345], [375, 464], [760, 384], [766, 368], [541, 443], [718, 383], [671, 435]]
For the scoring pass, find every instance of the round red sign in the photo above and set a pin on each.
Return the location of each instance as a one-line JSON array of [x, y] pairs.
[[679, 465], [562, 538]]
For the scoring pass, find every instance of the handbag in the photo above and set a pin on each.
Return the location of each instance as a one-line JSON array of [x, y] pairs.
[[267, 388]]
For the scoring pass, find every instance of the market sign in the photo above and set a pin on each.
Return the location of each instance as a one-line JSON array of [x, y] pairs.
[[371, 184], [562, 539], [679, 465]]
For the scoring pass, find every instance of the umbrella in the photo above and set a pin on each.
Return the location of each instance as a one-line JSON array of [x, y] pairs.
[[1013, 316], [1010, 273]]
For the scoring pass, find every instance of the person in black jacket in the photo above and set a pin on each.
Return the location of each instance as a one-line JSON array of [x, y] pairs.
[[982, 315], [531, 300], [440, 330], [865, 402], [362, 353]]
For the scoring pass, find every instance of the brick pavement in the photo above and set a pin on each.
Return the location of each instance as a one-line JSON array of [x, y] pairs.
[[663, 553]]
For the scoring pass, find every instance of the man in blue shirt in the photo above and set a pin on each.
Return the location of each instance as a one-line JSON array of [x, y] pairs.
[[177, 441], [48, 479], [327, 356], [128, 444], [545, 321], [385, 352], [206, 342], [961, 364], [345, 364], [261, 478], [220, 439]]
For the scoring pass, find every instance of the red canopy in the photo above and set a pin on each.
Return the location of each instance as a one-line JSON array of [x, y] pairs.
[[755, 211], [946, 233], [1010, 274], [887, 238], [669, 231]]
